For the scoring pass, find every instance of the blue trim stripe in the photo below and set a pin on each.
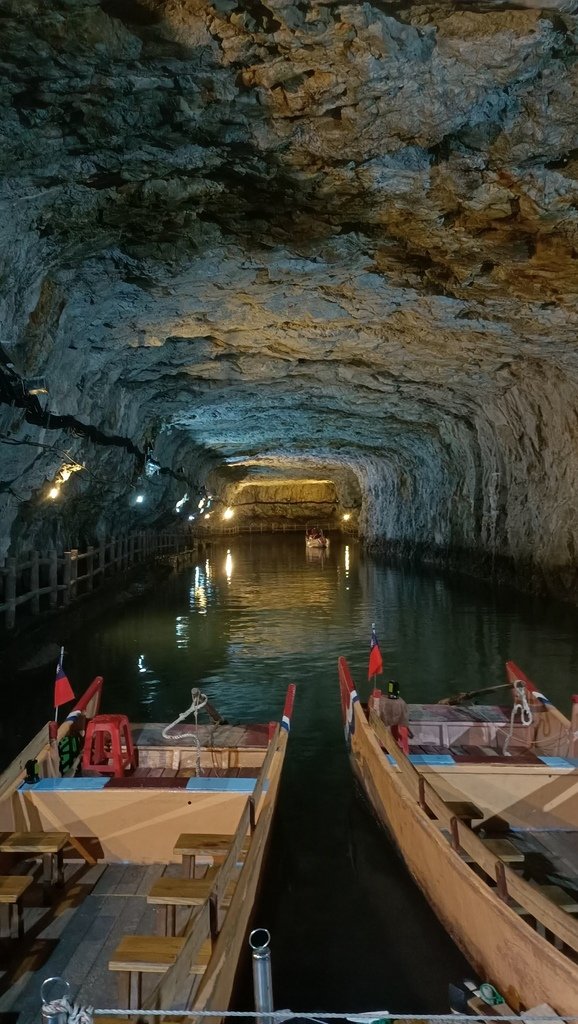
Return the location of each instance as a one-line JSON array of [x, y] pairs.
[[556, 762], [223, 785], [286, 723], [431, 759], [66, 785]]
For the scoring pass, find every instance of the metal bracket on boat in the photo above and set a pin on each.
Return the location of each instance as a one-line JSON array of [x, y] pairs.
[[259, 940]]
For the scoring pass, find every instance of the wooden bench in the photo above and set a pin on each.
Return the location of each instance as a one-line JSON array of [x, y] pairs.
[[49, 846], [504, 850], [170, 893], [558, 897], [191, 845], [464, 810], [12, 889], [136, 955]]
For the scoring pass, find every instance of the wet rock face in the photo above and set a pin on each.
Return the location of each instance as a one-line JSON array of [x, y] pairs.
[[312, 240]]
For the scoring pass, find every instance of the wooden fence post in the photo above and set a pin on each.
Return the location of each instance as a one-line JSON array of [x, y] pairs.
[[131, 549], [35, 582], [102, 558], [53, 578], [89, 567], [67, 576], [10, 593], [73, 573]]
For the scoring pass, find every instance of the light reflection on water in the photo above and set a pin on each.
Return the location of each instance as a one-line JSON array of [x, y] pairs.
[[349, 928]]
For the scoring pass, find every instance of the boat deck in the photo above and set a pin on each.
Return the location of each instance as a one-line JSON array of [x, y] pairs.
[[150, 734], [75, 937]]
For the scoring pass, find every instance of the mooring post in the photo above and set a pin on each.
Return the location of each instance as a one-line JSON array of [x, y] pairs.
[[259, 940], [54, 994]]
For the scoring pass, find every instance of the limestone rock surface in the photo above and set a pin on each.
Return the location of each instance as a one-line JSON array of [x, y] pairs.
[[285, 241]]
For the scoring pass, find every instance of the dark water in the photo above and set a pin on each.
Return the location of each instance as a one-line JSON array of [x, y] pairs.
[[349, 929]]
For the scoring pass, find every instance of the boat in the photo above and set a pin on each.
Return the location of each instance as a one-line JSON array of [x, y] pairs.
[[483, 808], [315, 538], [111, 830]]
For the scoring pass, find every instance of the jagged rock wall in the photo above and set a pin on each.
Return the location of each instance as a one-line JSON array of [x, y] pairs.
[[256, 235]]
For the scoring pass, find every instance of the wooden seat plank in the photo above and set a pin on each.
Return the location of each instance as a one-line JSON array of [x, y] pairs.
[[136, 955], [559, 897], [12, 889], [49, 846], [464, 810], [182, 892], [148, 954], [34, 842], [505, 850]]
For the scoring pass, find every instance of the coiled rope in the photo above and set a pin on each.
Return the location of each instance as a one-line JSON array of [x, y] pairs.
[[75, 1014], [522, 707], [198, 701]]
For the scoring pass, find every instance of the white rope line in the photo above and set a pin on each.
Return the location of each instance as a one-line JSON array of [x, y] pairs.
[[198, 701], [285, 1015]]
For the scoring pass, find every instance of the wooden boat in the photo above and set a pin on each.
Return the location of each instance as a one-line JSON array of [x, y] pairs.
[[490, 837], [174, 834], [316, 539]]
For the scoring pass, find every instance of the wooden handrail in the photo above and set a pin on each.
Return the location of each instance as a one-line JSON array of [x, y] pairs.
[[62, 583], [550, 916]]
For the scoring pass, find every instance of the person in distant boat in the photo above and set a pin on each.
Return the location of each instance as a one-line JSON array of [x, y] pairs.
[[394, 712]]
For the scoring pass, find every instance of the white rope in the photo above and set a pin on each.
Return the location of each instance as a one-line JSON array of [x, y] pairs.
[[198, 701], [285, 1015], [520, 705], [75, 1014]]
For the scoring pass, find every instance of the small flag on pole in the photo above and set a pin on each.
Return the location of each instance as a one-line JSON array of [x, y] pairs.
[[375, 662], [63, 692]]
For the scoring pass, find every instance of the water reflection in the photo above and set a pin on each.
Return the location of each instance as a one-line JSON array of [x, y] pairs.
[[182, 631], [286, 619]]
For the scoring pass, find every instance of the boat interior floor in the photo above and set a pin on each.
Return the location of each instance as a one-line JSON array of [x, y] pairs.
[[75, 937], [150, 734]]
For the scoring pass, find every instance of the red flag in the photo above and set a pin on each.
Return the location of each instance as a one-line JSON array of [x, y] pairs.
[[375, 662], [62, 688]]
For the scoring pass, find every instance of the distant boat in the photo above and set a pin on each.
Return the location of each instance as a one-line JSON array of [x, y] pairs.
[[484, 811], [315, 538], [132, 821]]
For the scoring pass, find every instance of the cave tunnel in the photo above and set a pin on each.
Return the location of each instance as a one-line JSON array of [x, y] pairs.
[[313, 260]]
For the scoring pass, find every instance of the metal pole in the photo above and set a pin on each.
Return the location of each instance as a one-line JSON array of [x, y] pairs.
[[54, 993], [259, 940]]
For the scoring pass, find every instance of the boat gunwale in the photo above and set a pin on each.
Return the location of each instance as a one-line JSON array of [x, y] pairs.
[[412, 789]]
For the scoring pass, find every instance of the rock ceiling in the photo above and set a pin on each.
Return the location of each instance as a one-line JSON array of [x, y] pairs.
[[296, 240]]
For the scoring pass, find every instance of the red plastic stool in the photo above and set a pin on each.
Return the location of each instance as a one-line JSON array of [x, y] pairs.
[[108, 746]]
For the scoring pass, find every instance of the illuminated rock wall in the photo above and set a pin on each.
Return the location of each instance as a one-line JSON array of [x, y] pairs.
[[256, 236]]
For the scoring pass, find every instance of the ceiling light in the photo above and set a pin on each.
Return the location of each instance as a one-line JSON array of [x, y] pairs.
[[228, 513], [139, 499], [346, 517], [54, 492]]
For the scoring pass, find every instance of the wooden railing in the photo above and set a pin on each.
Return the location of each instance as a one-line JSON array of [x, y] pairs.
[[218, 530], [51, 581]]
